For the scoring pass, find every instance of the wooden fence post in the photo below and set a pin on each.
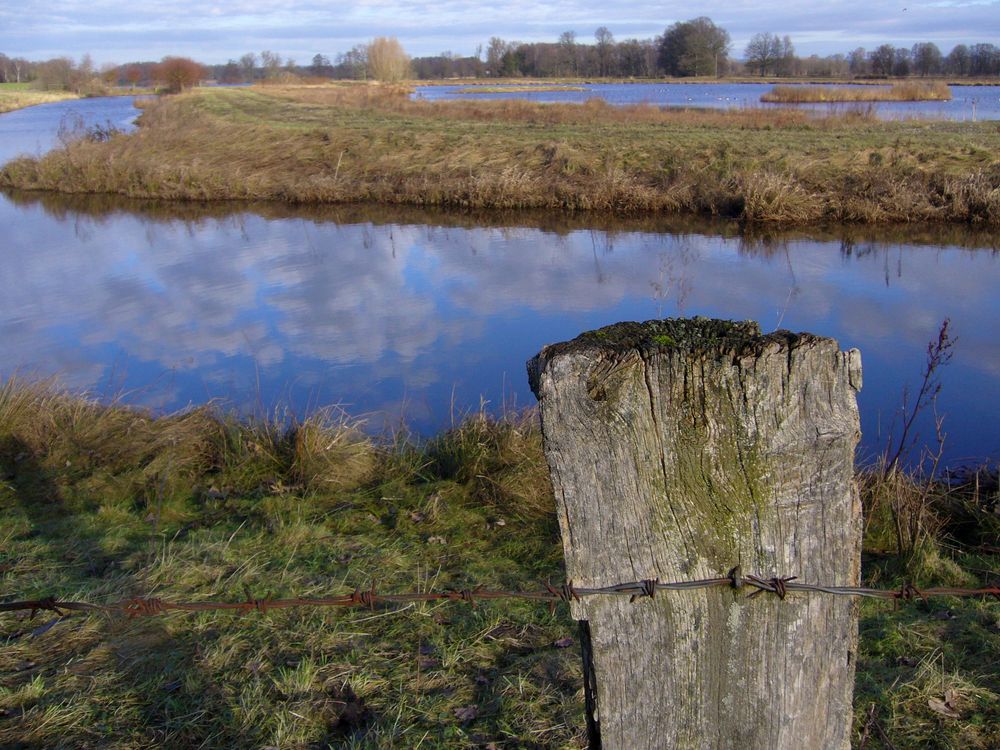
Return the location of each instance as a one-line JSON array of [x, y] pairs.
[[678, 450]]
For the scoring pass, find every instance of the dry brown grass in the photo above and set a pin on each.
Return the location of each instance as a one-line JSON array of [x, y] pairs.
[[594, 111], [907, 91], [357, 143], [19, 99]]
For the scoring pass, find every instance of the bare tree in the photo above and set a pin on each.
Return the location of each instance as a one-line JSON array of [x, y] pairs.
[[927, 59], [248, 65], [605, 44], [787, 61], [271, 62], [178, 73], [567, 47], [857, 61], [958, 60], [387, 60], [133, 74], [883, 59], [763, 52], [496, 51]]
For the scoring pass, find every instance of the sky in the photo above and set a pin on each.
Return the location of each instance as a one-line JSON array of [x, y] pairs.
[[215, 31]]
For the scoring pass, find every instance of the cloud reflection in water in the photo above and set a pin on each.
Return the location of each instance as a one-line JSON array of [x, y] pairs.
[[409, 318]]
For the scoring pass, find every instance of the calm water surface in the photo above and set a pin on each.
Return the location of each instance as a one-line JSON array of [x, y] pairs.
[[984, 101], [417, 315]]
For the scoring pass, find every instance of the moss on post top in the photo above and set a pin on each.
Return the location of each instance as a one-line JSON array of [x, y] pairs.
[[696, 336]]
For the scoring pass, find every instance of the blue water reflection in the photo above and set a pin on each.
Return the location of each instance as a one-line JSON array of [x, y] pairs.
[[409, 320], [413, 315], [35, 130]]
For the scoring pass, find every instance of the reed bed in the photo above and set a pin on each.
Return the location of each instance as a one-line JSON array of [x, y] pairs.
[[343, 144], [906, 91], [19, 98]]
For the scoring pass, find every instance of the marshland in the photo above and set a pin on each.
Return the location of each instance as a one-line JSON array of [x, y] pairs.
[[205, 286], [356, 143]]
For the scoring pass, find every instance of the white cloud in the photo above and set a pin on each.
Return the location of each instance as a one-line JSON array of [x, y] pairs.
[[115, 30]]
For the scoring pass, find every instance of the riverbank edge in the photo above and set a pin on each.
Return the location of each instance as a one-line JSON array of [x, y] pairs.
[[328, 145], [17, 100]]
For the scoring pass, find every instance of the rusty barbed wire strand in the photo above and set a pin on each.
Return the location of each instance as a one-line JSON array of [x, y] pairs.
[[780, 586]]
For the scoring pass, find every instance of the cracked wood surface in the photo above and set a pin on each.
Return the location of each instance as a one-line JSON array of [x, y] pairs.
[[679, 449]]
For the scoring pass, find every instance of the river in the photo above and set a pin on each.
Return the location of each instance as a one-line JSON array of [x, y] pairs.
[[416, 316], [967, 102]]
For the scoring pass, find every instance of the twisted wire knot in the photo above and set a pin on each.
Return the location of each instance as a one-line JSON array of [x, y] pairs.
[[139, 607], [48, 604], [908, 592], [775, 585], [365, 598], [647, 588], [565, 593]]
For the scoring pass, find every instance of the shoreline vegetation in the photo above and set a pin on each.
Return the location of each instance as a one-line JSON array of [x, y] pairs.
[[103, 501], [373, 143], [908, 91], [14, 96], [18, 98], [690, 80]]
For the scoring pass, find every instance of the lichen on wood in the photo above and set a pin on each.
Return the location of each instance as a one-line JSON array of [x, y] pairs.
[[679, 449]]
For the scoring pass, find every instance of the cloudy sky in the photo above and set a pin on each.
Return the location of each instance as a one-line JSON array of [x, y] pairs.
[[213, 31]]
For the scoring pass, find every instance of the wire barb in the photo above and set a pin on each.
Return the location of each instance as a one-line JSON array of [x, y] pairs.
[[139, 607], [908, 592], [774, 585], [647, 587], [551, 594], [365, 598]]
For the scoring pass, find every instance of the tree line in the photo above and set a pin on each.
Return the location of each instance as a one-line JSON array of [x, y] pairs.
[[697, 47], [381, 59]]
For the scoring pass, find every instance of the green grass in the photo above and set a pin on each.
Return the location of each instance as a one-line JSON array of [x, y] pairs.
[[331, 144], [97, 503]]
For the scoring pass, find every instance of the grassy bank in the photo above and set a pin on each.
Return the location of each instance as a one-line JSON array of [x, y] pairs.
[[100, 502], [351, 144], [906, 91], [17, 96]]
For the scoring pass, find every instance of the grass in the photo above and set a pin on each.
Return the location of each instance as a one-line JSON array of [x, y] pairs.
[[17, 96], [342, 144], [907, 91], [99, 502]]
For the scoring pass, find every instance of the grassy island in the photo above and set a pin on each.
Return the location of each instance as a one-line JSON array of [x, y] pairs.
[[100, 503], [338, 144], [909, 91]]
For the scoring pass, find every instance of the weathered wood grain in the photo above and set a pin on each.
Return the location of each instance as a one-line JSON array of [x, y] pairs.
[[679, 449]]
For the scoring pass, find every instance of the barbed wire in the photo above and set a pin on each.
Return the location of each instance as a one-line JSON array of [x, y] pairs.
[[780, 586]]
